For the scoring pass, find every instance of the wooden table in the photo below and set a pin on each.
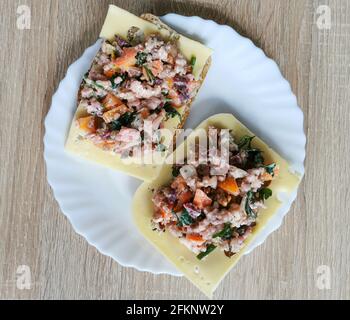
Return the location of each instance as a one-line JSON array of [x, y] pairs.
[[315, 236]]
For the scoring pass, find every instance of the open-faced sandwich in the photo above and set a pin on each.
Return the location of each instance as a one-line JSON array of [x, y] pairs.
[[144, 73], [213, 199]]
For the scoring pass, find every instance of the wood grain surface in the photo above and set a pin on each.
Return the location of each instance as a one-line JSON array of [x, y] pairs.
[[316, 231]]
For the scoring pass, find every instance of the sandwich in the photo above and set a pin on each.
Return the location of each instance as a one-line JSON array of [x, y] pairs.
[[145, 75], [210, 202]]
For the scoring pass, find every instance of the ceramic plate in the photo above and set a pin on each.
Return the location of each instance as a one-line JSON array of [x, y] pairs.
[[241, 80]]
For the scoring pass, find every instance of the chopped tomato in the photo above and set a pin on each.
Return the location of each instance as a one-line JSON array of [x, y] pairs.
[[229, 185], [185, 197], [201, 200], [87, 124], [195, 237], [126, 60], [111, 101], [179, 184]]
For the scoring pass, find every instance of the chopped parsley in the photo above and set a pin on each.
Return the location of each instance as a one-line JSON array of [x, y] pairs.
[[115, 85], [141, 58], [210, 248], [175, 171], [270, 169], [149, 74], [124, 121], [245, 143], [250, 212], [185, 219], [254, 155], [265, 193], [171, 111], [225, 233]]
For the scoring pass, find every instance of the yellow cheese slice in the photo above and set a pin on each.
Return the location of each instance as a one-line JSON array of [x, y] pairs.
[[119, 21], [206, 274]]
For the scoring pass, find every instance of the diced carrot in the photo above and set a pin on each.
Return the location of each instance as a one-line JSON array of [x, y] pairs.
[[201, 200], [229, 185], [268, 177], [110, 72], [156, 67], [111, 101], [114, 113], [87, 124], [126, 60], [171, 59], [185, 197], [195, 237], [170, 82], [106, 145], [163, 213], [144, 113], [111, 115]]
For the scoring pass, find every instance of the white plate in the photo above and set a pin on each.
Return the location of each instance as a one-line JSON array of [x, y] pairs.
[[241, 80]]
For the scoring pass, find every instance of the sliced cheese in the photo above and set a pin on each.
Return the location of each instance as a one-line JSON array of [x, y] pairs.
[[206, 274], [119, 21]]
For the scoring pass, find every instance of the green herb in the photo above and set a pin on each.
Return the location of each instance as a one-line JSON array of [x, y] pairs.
[[175, 171], [270, 168], [255, 156], [265, 193], [141, 58], [185, 219], [98, 85], [193, 61], [245, 143], [248, 209], [124, 121], [161, 147], [171, 111], [225, 233], [149, 74], [175, 215], [210, 248], [115, 85]]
